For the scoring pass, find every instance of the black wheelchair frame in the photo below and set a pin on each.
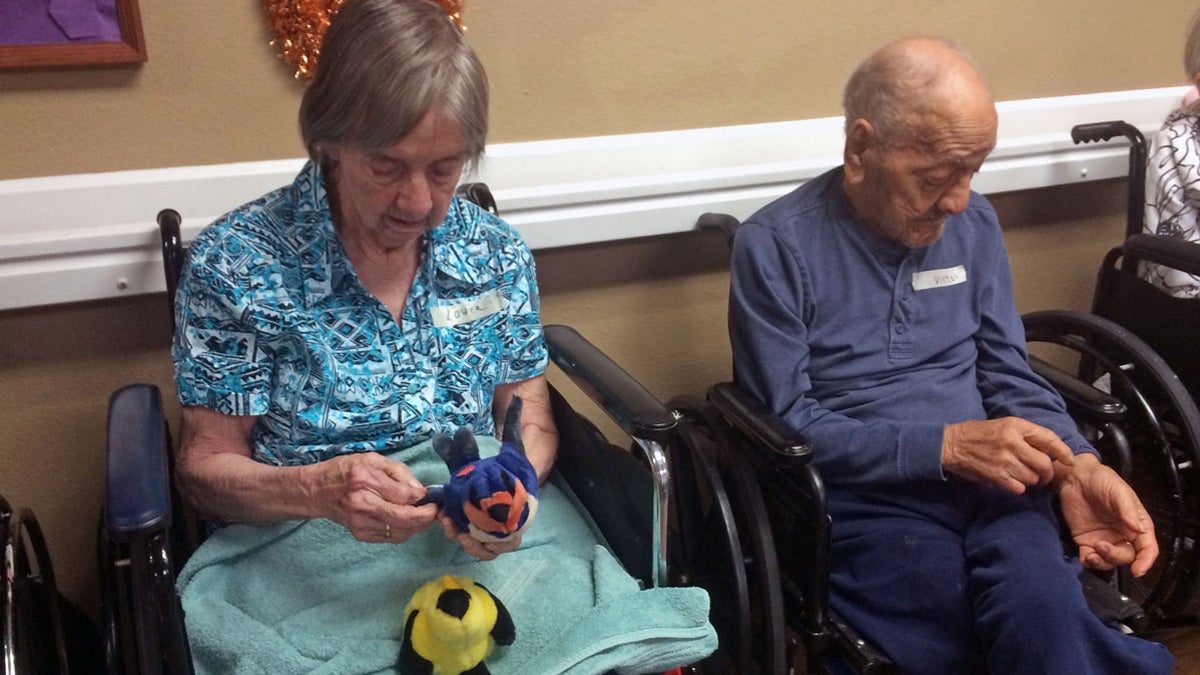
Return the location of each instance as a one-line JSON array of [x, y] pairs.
[[629, 494]]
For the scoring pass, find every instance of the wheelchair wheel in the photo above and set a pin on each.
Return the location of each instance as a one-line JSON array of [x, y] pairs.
[[1162, 427], [31, 626], [704, 430], [705, 551]]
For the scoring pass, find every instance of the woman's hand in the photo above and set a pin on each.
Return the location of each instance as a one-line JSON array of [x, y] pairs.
[[370, 495], [480, 549]]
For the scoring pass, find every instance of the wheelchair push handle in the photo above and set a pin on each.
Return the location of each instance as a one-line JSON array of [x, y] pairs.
[[1104, 131], [719, 222], [169, 223]]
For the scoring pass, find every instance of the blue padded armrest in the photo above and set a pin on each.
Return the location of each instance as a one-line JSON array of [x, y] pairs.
[[138, 497], [630, 405]]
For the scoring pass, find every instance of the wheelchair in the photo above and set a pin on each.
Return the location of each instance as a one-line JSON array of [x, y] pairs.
[[629, 494], [1137, 343], [1164, 322], [1154, 451], [40, 632]]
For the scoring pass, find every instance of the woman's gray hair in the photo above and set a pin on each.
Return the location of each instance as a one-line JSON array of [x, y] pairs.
[[383, 65], [1191, 48], [888, 87]]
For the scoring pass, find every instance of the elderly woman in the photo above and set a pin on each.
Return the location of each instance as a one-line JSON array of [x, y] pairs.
[[325, 333], [364, 307], [1173, 177]]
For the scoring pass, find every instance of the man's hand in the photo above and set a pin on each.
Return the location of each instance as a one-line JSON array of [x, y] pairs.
[[1009, 453], [371, 496], [1105, 516]]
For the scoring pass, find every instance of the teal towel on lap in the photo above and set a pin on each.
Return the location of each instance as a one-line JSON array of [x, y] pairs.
[[306, 597]]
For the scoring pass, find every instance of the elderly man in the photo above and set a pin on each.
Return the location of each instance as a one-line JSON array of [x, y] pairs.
[[873, 309]]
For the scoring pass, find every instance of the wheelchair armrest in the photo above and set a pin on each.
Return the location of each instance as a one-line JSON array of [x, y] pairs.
[[1084, 401], [640, 415], [138, 497], [1174, 253], [754, 419], [623, 398]]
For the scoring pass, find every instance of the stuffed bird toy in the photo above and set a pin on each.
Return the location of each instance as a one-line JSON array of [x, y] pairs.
[[492, 498], [450, 626]]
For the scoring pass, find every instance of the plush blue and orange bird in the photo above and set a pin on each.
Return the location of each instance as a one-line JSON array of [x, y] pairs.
[[451, 625], [492, 498]]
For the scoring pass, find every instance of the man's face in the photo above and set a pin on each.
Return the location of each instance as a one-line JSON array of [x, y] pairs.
[[906, 190]]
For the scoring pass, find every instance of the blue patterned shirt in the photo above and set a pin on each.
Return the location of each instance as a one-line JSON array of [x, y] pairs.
[[274, 322]]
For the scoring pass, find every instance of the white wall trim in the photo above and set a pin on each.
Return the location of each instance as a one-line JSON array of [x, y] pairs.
[[91, 236]]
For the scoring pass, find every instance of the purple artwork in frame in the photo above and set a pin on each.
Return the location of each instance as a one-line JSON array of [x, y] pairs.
[[47, 33]]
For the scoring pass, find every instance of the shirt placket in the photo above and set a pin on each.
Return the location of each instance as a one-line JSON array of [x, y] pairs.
[[413, 362], [900, 334]]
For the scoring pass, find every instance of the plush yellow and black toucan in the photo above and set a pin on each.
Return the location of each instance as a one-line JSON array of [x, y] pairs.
[[450, 626]]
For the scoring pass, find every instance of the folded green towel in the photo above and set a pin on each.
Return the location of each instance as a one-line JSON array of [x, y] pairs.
[[306, 597]]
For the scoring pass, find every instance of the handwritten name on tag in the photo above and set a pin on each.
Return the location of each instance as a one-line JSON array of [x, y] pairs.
[[948, 276], [463, 311]]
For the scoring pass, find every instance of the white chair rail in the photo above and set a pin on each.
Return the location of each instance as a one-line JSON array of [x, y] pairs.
[[91, 236]]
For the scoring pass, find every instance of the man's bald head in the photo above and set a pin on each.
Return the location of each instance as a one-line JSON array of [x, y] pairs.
[[912, 79]]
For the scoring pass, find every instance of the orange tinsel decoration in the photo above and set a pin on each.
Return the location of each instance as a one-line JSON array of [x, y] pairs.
[[299, 25]]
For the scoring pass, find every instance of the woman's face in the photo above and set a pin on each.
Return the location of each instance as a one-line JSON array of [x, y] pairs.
[[387, 199]]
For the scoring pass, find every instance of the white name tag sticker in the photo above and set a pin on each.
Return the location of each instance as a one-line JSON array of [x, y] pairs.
[[948, 276], [470, 309]]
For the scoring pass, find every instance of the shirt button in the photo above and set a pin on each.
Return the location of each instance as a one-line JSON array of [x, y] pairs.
[[900, 329]]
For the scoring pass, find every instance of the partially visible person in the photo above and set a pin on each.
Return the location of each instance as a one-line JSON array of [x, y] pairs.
[[872, 309], [1173, 177]]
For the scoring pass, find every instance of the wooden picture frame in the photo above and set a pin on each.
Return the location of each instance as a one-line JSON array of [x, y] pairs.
[[129, 50]]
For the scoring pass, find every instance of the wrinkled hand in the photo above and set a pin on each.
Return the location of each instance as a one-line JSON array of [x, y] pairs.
[[371, 496], [1106, 518], [488, 550], [1009, 453]]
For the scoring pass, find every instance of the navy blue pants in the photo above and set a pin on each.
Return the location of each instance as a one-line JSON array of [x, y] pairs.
[[957, 578]]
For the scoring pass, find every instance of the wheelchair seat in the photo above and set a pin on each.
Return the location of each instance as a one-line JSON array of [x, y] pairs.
[[627, 493]]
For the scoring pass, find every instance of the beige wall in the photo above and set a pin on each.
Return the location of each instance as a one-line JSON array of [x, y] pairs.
[[214, 92]]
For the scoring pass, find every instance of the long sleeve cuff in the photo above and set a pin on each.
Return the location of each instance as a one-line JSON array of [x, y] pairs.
[[920, 452]]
